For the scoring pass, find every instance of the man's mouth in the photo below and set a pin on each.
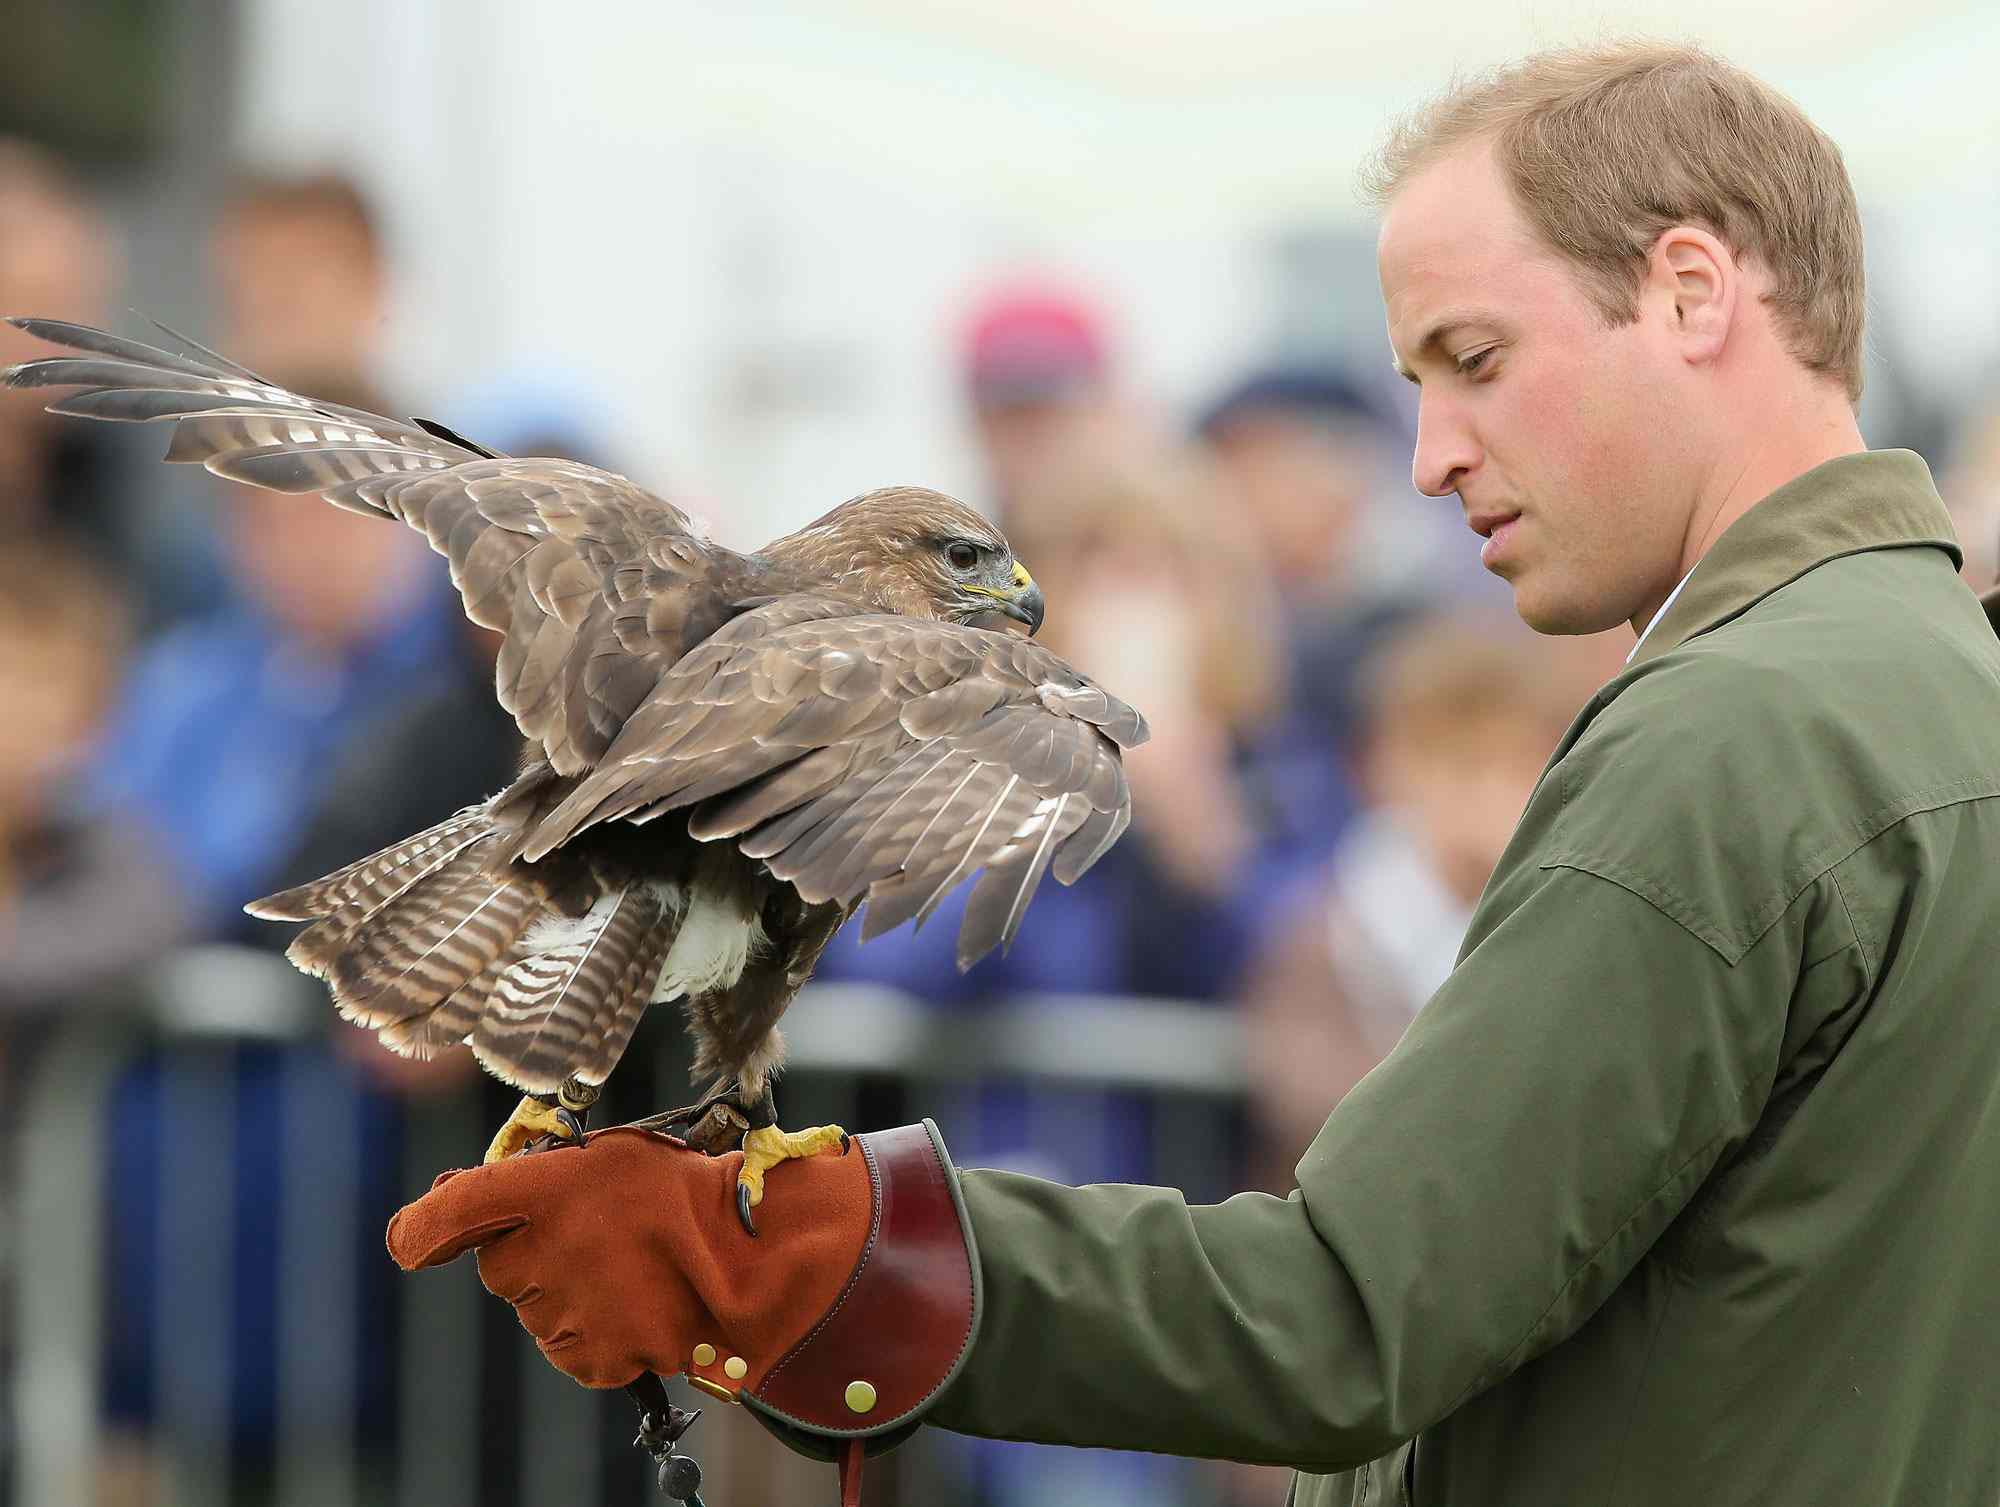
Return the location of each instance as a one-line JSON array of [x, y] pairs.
[[1495, 528]]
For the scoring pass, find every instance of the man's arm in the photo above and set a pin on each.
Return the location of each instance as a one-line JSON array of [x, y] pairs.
[[1466, 1207]]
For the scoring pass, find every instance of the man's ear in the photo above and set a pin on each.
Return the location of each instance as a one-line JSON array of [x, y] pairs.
[[1696, 280]]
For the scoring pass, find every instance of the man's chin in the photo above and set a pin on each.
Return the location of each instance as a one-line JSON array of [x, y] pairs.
[[1559, 616]]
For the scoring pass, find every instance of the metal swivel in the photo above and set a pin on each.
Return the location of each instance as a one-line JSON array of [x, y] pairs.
[[661, 1425]]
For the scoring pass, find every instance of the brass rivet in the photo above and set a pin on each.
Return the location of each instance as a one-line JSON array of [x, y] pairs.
[[735, 1367], [704, 1354], [713, 1388], [860, 1397]]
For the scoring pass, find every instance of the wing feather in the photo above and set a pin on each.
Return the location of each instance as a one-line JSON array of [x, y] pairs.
[[531, 542], [877, 758]]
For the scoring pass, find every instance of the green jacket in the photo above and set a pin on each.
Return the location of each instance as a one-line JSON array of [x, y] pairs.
[[1685, 1187]]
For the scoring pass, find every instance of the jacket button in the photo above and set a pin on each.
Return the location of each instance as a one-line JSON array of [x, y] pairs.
[[860, 1397]]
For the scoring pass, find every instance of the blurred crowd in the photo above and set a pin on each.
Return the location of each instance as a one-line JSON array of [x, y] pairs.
[[211, 693]]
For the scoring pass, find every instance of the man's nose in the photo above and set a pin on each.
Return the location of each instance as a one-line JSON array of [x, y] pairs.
[[1445, 451]]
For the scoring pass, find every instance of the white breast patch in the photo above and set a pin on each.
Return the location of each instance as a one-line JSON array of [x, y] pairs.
[[715, 941]]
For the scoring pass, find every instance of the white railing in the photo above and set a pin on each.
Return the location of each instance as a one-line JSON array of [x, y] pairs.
[[203, 1004]]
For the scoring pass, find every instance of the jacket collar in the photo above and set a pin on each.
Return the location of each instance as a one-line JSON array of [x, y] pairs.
[[1876, 499]]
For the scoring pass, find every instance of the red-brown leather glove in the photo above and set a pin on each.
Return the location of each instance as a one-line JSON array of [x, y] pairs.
[[841, 1319]]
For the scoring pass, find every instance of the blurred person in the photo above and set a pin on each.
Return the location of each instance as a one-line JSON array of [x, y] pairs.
[[446, 745], [57, 258], [80, 917], [1681, 1187], [1301, 453], [1971, 490], [1152, 593], [301, 270], [229, 722], [1035, 364], [1147, 595], [64, 880], [1461, 714], [1161, 597], [229, 728]]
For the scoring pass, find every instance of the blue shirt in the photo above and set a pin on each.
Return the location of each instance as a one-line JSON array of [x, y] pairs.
[[226, 729]]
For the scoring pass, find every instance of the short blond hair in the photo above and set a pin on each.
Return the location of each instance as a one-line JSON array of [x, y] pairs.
[[1606, 146]]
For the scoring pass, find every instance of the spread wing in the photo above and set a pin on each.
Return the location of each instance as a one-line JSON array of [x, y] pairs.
[[875, 757], [597, 585]]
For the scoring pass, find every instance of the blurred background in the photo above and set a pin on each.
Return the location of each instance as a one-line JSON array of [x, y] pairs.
[[1099, 271]]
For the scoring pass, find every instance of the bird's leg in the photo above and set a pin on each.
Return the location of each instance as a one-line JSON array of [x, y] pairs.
[[559, 1115], [715, 1125], [765, 1145]]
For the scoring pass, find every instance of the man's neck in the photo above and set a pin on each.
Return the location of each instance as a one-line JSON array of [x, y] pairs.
[[1783, 447], [1785, 450]]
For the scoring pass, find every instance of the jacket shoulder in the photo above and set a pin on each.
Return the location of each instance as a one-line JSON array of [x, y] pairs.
[[1720, 779]]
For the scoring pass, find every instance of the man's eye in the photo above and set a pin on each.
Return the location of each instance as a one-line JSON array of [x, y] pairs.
[[1469, 365], [962, 556]]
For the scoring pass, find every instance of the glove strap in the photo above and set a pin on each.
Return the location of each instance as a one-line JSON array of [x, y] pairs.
[[850, 1473]]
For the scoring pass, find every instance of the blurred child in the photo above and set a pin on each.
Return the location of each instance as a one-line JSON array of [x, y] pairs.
[[63, 879], [1971, 490], [1463, 713]]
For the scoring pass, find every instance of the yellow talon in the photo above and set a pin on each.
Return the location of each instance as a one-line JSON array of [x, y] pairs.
[[531, 1118], [764, 1149]]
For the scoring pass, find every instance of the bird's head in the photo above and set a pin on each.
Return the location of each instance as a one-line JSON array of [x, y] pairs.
[[915, 552]]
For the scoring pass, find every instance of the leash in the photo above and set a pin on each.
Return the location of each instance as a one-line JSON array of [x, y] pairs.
[[661, 1426]]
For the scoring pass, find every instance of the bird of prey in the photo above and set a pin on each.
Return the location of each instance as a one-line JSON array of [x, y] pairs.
[[725, 754]]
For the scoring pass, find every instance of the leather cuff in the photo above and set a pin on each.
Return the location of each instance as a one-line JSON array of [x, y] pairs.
[[904, 1322]]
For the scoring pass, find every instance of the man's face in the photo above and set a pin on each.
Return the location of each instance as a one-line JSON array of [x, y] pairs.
[[1569, 443]]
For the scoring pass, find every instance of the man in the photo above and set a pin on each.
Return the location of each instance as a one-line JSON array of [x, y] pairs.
[[1685, 1185]]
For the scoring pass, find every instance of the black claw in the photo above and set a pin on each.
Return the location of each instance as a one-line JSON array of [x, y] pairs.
[[572, 1124], [846, 1142], [743, 1207]]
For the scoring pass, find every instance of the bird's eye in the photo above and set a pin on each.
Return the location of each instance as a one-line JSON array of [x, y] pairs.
[[962, 556]]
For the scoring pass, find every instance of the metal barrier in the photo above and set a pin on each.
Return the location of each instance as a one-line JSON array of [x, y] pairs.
[[480, 1419]]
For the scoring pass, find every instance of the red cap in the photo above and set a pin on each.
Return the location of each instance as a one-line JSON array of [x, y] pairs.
[[1023, 344]]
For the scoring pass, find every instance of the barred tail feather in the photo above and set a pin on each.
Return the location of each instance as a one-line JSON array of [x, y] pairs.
[[450, 1022], [552, 1006], [372, 882], [618, 1014], [442, 939], [408, 959]]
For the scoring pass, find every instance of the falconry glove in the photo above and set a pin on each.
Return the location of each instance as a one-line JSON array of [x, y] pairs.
[[837, 1324]]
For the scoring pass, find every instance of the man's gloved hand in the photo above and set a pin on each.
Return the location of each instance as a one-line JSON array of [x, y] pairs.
[[843, 1317], [626, 1255]]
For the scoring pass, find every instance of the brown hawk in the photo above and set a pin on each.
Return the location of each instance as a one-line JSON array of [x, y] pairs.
[[726, 754]]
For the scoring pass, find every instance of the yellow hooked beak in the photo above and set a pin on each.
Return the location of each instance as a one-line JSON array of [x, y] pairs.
[[1023, 602]]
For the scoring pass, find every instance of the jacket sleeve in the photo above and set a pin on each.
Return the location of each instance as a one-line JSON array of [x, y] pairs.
[[1467, 1206]]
